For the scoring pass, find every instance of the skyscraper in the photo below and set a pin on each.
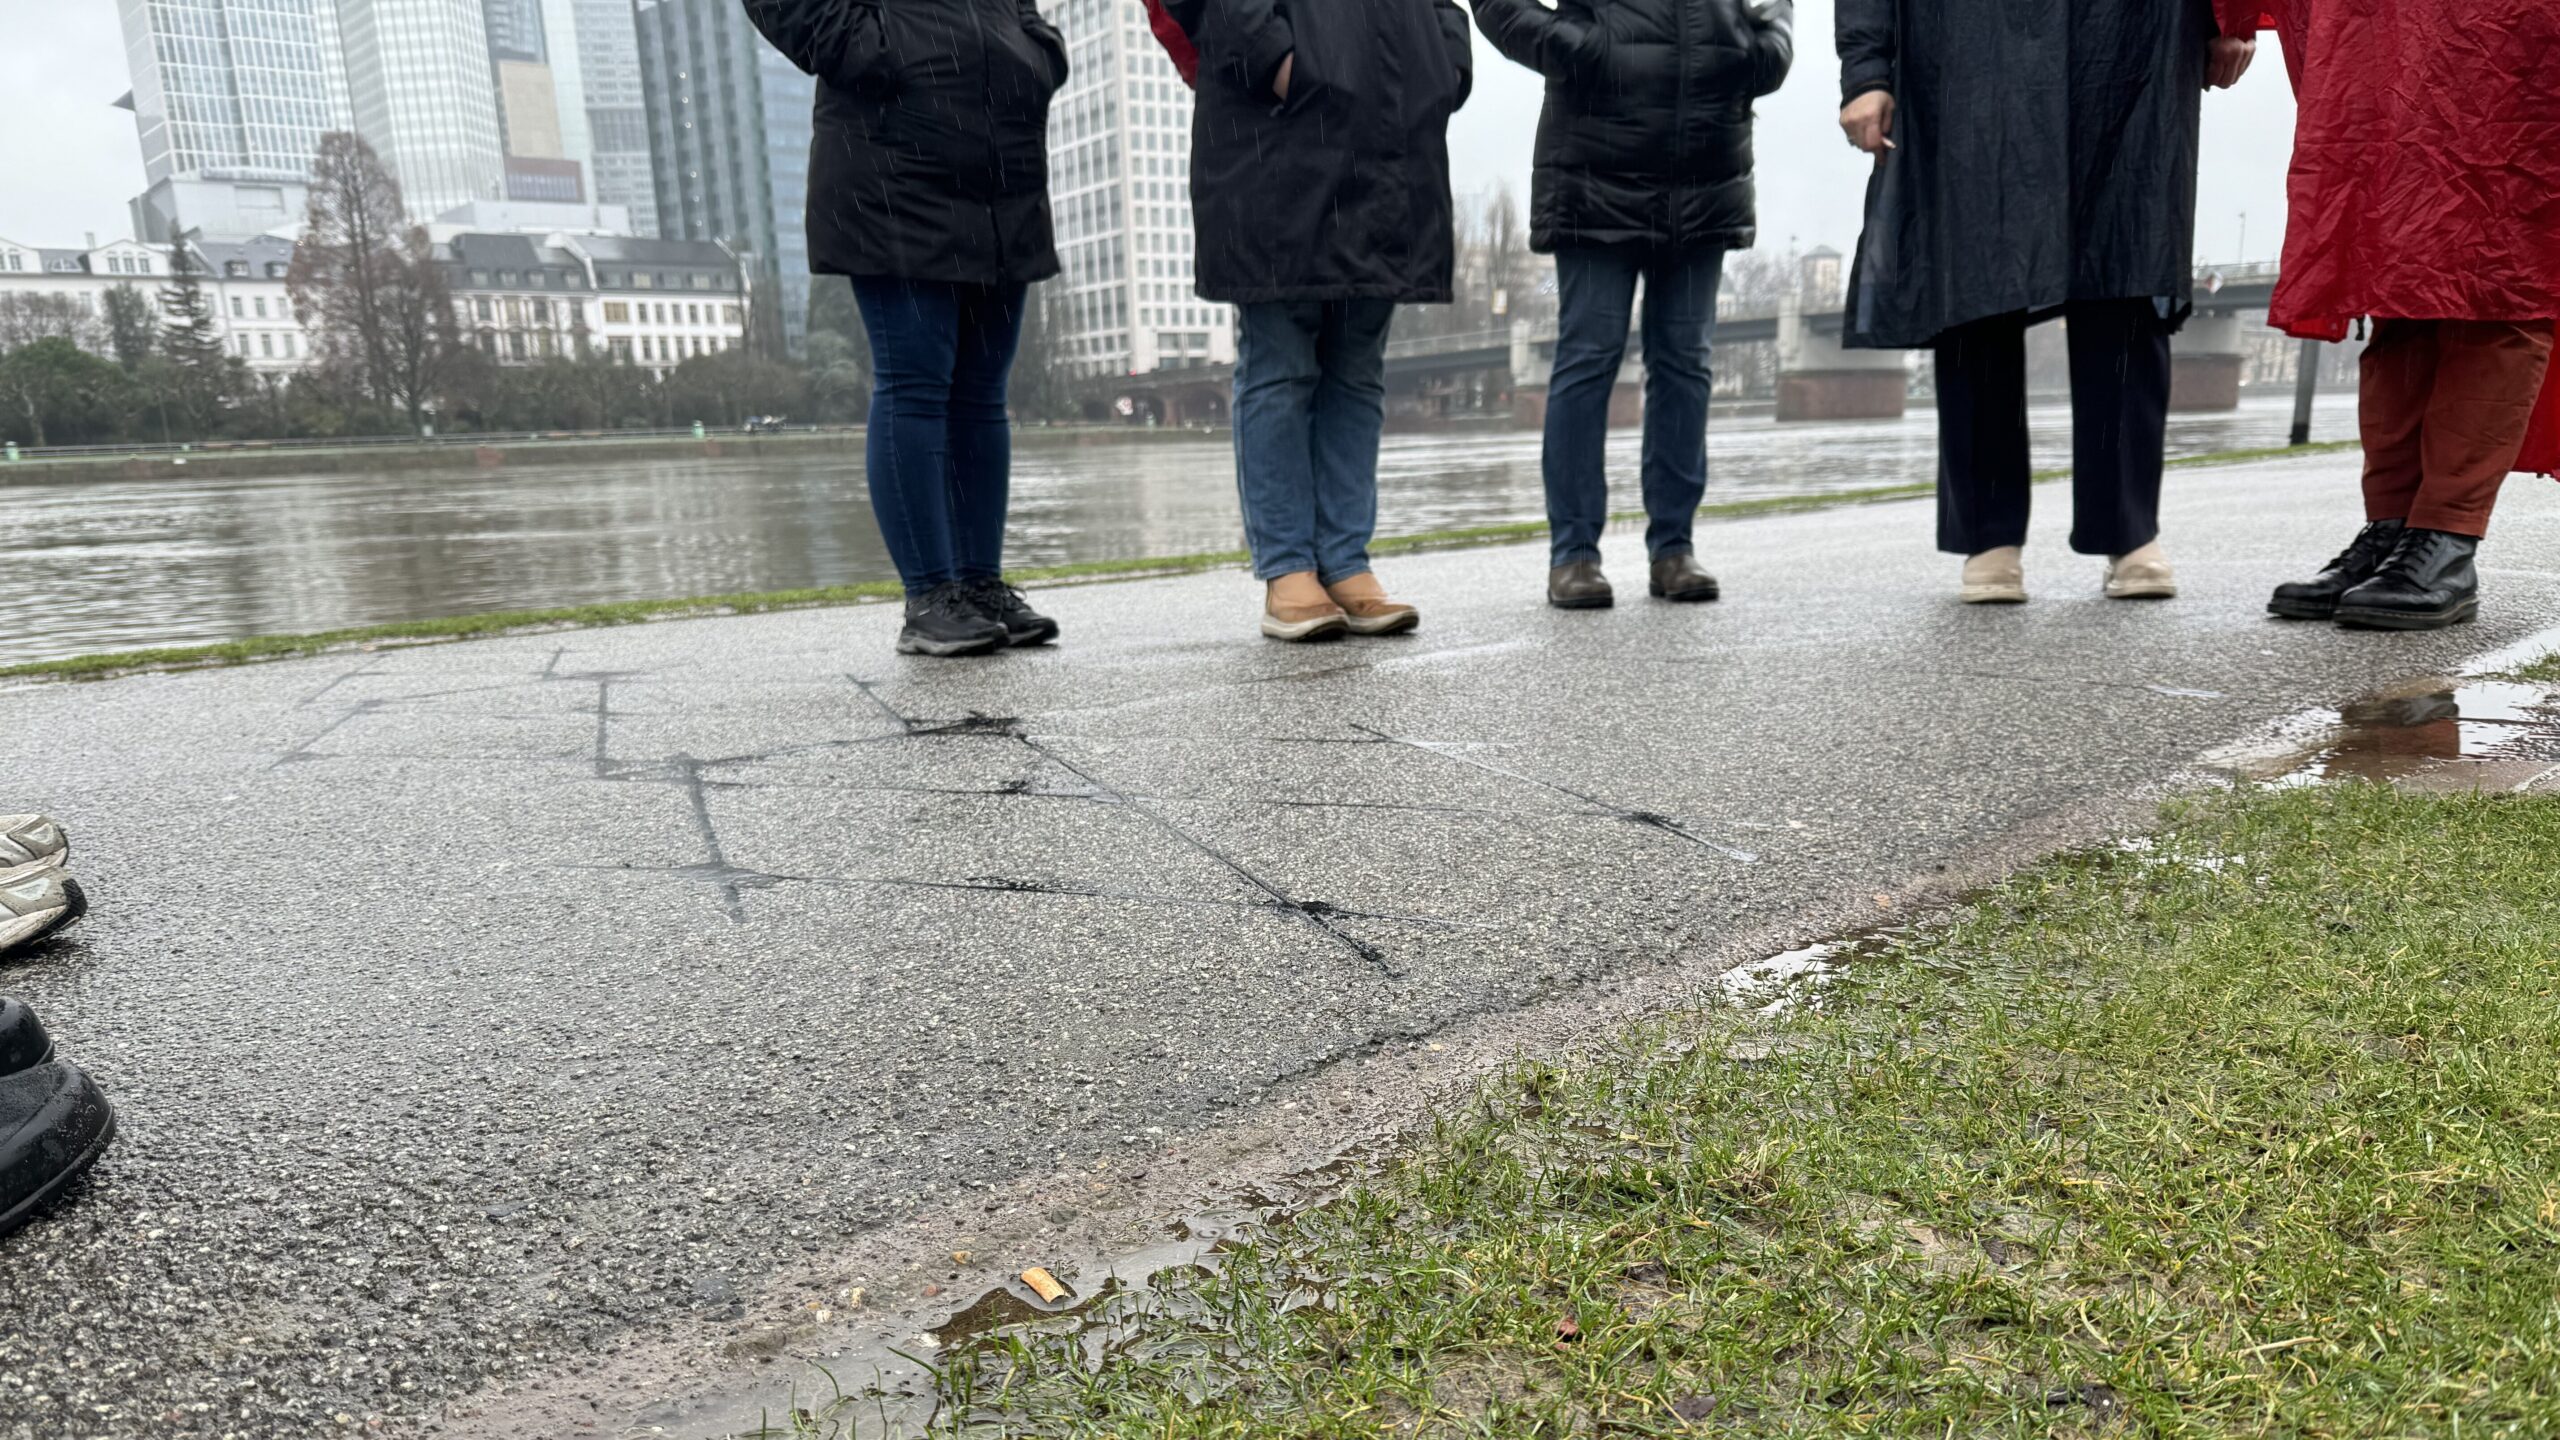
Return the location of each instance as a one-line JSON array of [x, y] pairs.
[[1119, 179], [608, 59], [542, 115], [730, 127], [230, 98], [422, 92]]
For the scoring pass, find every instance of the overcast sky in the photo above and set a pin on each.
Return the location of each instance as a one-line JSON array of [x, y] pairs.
[[69, 162]]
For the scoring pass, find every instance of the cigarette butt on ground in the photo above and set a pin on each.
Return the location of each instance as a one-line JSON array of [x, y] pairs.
[[1044, 1285]]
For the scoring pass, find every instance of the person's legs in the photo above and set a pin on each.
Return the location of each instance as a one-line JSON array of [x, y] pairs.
[[1596, 289], [1276, 378], [1679, 374], [2119, 424], [2488, 375], [981, 438], [914, 328], [1348, 414], [1983, 469], [2394, 377]]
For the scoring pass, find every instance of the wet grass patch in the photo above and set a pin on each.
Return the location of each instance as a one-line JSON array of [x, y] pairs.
[[2246, 1131]]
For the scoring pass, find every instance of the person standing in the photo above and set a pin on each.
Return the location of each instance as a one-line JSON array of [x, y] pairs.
[[2033, 161], [929, 188], [1643, 172], [1320, 183], [2441, 221]]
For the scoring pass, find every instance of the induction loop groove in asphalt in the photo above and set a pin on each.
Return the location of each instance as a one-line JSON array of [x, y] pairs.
[[698, 778]]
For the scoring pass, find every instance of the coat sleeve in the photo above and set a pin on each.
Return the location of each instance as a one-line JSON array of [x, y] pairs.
[[1867, 32], [838, 40], [1528, 33], [1773, 45], [1462, 50], [1046, 36], [1249, 39]]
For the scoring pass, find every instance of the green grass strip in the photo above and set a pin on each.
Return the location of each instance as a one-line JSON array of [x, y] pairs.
[[2250, 1132], [632, 612]]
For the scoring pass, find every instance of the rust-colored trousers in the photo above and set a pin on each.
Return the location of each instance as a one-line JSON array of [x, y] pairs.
[[2444, 407]]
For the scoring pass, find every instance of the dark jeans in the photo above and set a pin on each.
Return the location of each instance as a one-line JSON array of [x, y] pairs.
[[1311, 400], [2119, 429], [1598, 288], [940, 449]]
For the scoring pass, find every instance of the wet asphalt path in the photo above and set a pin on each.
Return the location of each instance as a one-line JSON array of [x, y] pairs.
[[469, 1008]]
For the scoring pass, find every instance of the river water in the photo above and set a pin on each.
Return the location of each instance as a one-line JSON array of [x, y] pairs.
[[116, 565]]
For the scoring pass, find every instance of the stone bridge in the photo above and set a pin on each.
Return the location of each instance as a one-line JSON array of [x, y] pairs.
[[1490, 371]]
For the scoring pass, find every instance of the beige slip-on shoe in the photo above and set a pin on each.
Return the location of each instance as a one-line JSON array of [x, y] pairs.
[[2142, 575], [1366, 608], [1295, 608], [1995, 577]]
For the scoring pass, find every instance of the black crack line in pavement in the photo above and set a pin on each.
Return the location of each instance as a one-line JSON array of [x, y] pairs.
[[357, 673], [604, 734], [303, 752], [552, 667], [1647, 818], [1315, 913], [732, 881], [873, 695]]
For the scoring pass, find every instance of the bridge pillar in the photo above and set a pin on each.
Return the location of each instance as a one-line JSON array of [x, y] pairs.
[[1531, 375], [2205, 362], [1819, 379]]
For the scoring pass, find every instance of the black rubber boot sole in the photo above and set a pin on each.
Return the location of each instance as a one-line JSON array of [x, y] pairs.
[[2355, 617], [16, 1216], [1600, 602], [2303, 609], [1689, 597]]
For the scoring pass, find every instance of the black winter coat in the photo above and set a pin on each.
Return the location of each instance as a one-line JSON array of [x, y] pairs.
[[1341, 192], [2045, 153], [930, 159], [1646, 137]]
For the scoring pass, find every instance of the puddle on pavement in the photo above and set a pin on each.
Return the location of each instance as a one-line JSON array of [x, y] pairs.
[[2432, 734]]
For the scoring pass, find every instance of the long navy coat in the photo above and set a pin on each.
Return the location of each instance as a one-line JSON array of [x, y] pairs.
[[2046, 153], [930, 158], [1341, 192]]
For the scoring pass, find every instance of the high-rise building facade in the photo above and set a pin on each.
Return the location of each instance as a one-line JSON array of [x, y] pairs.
[[607, 52], [542, 115], [1119, 182], [230, 99], [730, 127], [421, 89]]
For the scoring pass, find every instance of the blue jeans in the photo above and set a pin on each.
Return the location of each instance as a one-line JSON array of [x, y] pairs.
[[1311, 399], [940, 450], [1598, 289]]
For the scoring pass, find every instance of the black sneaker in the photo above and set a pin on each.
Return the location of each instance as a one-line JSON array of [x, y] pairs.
[[53, 1125], [1003, 604], [945, 621], [2429, 582]]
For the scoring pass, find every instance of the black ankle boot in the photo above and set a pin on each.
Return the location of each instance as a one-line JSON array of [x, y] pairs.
[[2428, 583], [2317, 598]]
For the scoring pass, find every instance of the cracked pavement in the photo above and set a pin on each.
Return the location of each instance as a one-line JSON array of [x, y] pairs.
[[472, 1009]]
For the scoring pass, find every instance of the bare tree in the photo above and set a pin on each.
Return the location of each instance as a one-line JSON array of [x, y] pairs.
[[26, 319], [366, 285]]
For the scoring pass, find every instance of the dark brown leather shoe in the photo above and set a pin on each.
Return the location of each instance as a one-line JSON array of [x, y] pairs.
[[1580, 586], [1677, 577]]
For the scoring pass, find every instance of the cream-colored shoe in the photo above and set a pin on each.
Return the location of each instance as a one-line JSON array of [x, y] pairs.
[[1364, 601], [2142, 575], [1995, 577], [1295, 607]]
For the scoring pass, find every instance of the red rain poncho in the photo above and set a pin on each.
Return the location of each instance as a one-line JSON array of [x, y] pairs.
[[2426, 167]]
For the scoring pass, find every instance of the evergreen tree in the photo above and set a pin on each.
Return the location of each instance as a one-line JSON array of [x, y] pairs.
[[208, 378], [132, 330]]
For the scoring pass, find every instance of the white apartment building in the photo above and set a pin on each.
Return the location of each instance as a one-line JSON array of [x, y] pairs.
[[1119, 184], [244, 284], [650, 303]]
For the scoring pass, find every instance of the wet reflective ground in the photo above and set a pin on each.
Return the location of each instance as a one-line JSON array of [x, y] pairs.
[[124, 564]]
